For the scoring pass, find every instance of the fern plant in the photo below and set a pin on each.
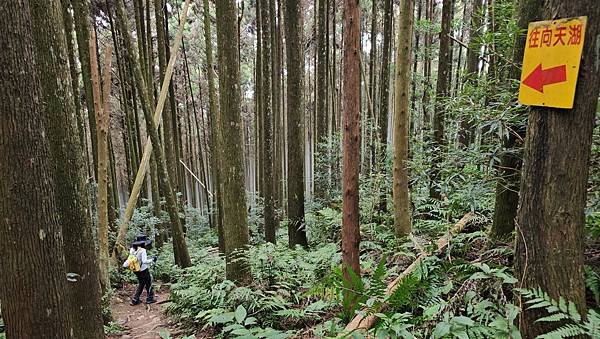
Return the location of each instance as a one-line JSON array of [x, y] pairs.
[[564, 312]]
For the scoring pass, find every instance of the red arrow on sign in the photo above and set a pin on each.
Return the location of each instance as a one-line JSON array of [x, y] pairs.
[[541, 77]]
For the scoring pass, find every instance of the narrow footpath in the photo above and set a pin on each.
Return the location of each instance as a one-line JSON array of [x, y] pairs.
[[141, 321]]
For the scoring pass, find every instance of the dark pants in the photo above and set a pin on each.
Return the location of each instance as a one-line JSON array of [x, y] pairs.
[[144, 281]]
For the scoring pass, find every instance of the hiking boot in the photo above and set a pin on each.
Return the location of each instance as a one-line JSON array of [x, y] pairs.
[[135, 302], [150, 301]]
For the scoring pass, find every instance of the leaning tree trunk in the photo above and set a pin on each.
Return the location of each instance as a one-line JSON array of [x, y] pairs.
[[179, 245], [402, 220], [550, 220], [509, 170], [34, 288], [69, 169], [235, 221], [351, 147], [295, 121]]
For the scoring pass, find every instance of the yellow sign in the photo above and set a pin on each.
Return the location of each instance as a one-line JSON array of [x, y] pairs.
[[551, 62]]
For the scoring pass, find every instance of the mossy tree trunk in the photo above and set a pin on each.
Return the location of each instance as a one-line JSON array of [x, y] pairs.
[[402, 214], [81, 13], [67, 162], [267, 120], [235, 221], [179, 245], [294, 24], [215, 165], [31, 239], [550, 220]]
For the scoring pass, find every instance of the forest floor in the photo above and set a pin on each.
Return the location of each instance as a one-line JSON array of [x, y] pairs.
[[142, 321]]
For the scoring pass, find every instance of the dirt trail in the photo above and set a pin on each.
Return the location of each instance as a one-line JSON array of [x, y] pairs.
[[141, 321]]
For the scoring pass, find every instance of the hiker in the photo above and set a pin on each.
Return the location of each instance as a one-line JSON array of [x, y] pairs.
[[138, 262]]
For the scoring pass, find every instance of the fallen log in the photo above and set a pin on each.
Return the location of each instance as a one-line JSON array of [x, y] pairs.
[[365, 322]]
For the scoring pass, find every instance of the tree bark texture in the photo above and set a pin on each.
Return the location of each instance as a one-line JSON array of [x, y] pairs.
[[294, 24], [66, 154], [235, 220], [441, 93], [550, 219], [509, 170], [402, 214], [351, 143], [31, 239], [267, 120]]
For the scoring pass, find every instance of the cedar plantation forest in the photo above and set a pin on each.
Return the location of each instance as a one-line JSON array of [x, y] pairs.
[[299, 169]]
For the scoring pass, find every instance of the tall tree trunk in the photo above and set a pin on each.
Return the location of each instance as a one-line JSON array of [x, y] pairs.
[[428, 43], [267, 120], [550, 220], [294, 23], [235, 221], [509, 170], [161, 41], [402, 219], [276, 121], [31, 239], [320, 135], [384, 93], [179, 245], [351, 137], [371, 148], [67, 162], [102, 120], [81, 13], [68, 22], [214, 123], [441, 94], [466, 134]]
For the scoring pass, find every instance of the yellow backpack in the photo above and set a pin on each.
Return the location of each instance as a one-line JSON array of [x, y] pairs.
[[134, 263]]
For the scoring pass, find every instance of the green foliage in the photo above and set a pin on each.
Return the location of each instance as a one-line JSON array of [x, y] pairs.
[[592, 282], [564, 313]]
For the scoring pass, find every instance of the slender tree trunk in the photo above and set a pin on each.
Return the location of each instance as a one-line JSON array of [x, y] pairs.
[[102, 119], [321, 91], [267, 120], [550, 220], [402, 219], [441, 94], [294, 23], [68, 22], [466, 134], [427, 87], [276, 122], [31, 239], [509, 170], [81, 13], [179, 244], [214, 123], [384, 93], [235, 221], [351, 97]]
